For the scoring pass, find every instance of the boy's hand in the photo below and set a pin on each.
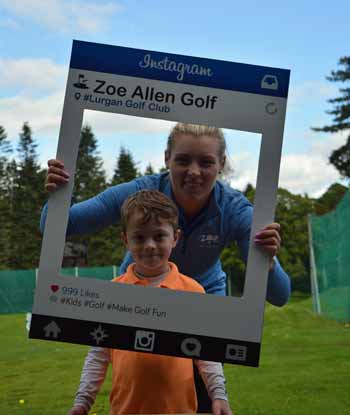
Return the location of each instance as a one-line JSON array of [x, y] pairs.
[[221, 407], [56, 175], [78, 410]]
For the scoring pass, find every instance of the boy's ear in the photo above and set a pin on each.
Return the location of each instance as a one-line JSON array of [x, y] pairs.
[[177, 236]]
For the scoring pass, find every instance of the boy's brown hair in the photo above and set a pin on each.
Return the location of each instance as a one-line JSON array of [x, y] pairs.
[[153, 205]]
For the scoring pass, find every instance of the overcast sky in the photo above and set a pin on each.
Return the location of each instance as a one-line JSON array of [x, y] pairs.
[[306, 37]]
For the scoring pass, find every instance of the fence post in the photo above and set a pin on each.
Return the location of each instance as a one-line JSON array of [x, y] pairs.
[[114, 271], [313, 272]]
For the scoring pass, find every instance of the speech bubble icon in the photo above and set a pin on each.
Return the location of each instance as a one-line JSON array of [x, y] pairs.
[[191, 347]]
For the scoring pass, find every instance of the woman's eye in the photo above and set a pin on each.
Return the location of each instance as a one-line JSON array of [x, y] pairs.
[[207, 163]]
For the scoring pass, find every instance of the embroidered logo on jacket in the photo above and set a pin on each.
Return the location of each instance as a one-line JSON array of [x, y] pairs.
[[208, 240]]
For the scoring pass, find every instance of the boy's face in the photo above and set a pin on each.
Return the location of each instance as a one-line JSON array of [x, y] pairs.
[[150, 244]]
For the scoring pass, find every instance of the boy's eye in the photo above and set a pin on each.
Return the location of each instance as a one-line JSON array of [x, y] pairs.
[[182, 162]]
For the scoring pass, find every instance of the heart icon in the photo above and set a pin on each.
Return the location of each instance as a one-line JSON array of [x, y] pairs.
[[54, 288], [191, 346]]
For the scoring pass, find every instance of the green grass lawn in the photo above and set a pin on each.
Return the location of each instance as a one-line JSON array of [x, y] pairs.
[[305, 369]]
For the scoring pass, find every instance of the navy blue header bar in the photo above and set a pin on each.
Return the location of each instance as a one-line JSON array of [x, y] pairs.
[[180, 69]]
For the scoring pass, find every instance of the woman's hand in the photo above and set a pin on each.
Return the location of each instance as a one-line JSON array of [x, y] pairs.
[[270, 240], [221, 407], [56, 175]]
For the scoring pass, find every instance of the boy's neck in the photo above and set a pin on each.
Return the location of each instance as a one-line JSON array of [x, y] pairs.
[[151, 276]]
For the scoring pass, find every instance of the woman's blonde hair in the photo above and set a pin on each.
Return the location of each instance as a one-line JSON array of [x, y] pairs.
[[197, 131]]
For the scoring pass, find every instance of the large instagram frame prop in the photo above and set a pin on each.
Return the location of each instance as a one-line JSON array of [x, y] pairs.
[[176, 88]]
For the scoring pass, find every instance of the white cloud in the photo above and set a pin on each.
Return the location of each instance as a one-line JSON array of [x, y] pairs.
[[310, 91], [308, 172], [43, 114], [245, 167], [63, 15], [329, 142], [32, 74]]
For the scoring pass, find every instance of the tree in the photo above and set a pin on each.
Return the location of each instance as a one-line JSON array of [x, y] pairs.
[[340, 157], [329, 200], [125, 169], [7, 221], [149, 169], [5, 202], [163, 170], [90, 178], [231, 258], [27, 198], [113, 248], [291, 213], [5, 150]]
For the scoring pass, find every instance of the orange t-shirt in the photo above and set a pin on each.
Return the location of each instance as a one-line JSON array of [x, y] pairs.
[[144, 383]]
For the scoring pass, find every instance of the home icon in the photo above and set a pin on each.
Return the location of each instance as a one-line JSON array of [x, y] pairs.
[[52, 330]]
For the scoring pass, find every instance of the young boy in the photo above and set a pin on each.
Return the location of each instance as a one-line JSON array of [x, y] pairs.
[[145, 383]]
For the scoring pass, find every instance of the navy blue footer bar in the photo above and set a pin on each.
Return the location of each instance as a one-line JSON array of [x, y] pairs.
[[144, 340]]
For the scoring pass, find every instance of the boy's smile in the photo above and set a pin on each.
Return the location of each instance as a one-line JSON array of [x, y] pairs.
[[150, 244]]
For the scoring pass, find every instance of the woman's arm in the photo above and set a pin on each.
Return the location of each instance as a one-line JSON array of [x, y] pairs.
[[98, 212]]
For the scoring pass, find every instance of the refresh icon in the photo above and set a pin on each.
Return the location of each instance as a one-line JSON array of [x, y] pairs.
[[271, 108]]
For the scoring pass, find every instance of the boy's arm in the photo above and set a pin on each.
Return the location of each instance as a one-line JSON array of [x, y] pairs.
[[213, 377], [92, 377]]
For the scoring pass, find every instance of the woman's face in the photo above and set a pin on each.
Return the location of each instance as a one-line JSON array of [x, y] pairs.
[[194, 165]]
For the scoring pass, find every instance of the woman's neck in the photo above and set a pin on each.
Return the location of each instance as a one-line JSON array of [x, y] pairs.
[[191, 208]]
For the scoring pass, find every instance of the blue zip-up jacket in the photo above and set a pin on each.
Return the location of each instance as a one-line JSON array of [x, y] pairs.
[[226, 218]]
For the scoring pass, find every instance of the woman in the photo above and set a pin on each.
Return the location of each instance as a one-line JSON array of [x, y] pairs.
[[211, 213]]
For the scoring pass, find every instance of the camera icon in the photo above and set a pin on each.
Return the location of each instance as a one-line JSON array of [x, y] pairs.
[[144, 340], [236, 352]]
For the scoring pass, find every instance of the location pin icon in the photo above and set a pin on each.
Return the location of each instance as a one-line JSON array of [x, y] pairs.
[[77, 95]]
